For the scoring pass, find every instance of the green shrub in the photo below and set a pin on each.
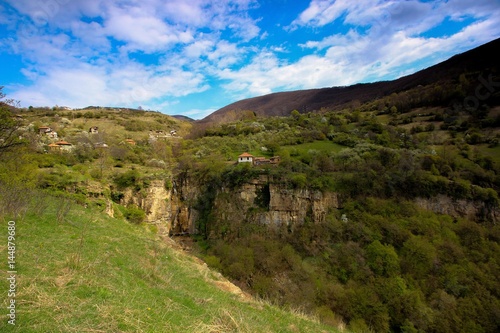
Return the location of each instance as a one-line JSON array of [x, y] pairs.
[[213, 262], [134, 214], [299, 180], [116, 196], [127, 179], [168, 184]]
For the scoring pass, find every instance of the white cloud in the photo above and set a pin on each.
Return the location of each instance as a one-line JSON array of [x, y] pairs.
[[393, 50], [142, 32], [199, 48], [189, 13], [125, 84], [79, 62], [225, 54]]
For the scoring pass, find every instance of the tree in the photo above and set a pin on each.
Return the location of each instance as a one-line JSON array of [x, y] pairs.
[[382, 259], [9, 126]]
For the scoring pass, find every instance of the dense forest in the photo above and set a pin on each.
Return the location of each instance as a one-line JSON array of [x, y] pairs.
[[380, 263]]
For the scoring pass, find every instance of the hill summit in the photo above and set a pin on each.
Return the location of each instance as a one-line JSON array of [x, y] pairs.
[[283, 103]]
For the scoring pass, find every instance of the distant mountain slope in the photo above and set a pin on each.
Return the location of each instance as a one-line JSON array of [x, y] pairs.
[[183, 118], [282, 103]]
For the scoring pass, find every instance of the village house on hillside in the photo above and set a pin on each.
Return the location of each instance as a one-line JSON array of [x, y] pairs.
[[130, 142], [249, 158], [60, 146], [245, 158], [45, 130]]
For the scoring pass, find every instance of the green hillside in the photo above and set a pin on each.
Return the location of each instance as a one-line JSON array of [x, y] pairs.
[[81, 271], [380, 214]]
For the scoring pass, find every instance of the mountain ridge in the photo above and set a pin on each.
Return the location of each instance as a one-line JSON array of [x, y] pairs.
[[283, 103]]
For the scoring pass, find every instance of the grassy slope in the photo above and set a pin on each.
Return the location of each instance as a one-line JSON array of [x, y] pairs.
[[110, 123], [322, 146], [92, 273]]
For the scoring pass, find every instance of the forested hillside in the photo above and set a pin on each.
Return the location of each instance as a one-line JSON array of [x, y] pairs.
[[386, 259], [84, 263], [437, 79], [413, 244]]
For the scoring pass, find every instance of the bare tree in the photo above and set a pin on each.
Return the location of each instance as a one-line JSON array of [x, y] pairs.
[[9, 125]]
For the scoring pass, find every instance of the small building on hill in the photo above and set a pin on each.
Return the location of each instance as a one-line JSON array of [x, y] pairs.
[[101, 145], [130, 142], [60, 146], [275, 160], [261, 161], [54, 148], [44, 129], [245, 158], [248, 158], [64, 145]]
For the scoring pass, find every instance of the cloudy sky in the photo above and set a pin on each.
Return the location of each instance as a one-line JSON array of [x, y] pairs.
[[193, 57]]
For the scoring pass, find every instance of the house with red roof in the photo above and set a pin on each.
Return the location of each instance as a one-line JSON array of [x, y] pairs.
[[245, 158], [60, 146]]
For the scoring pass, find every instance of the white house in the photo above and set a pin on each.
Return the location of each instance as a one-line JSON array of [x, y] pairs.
[[245, 158]]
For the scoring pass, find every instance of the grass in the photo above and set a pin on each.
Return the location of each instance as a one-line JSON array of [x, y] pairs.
[[494, 152], [326, 146], [87, 272]]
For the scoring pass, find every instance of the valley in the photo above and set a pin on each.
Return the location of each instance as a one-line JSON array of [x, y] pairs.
[[378, 212]]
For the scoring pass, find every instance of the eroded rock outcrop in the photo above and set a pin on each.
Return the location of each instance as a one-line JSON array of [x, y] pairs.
[[472, 210], [273, 204], [183, 215], [261, 201], [154, 200]]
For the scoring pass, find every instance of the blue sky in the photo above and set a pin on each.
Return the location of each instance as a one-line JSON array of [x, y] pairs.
[[193, 57]]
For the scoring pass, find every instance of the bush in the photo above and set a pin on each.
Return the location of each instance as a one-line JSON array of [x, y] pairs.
[[134, 214], [116, 196], [127, 179], [298, 180], [168, 184], [213, 262]]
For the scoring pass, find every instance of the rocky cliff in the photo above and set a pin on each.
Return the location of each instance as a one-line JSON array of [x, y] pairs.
[[261, 201], [472, 210], [170, 208], [154, 200], [280, 205], [258, 201]]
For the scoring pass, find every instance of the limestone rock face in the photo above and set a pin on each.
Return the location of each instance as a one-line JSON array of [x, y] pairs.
[[264, 202], [109, 208], [154, 200], [297, 204], [172, 208], [273, 204], [183, 215], [471, 210], [156, 203]]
